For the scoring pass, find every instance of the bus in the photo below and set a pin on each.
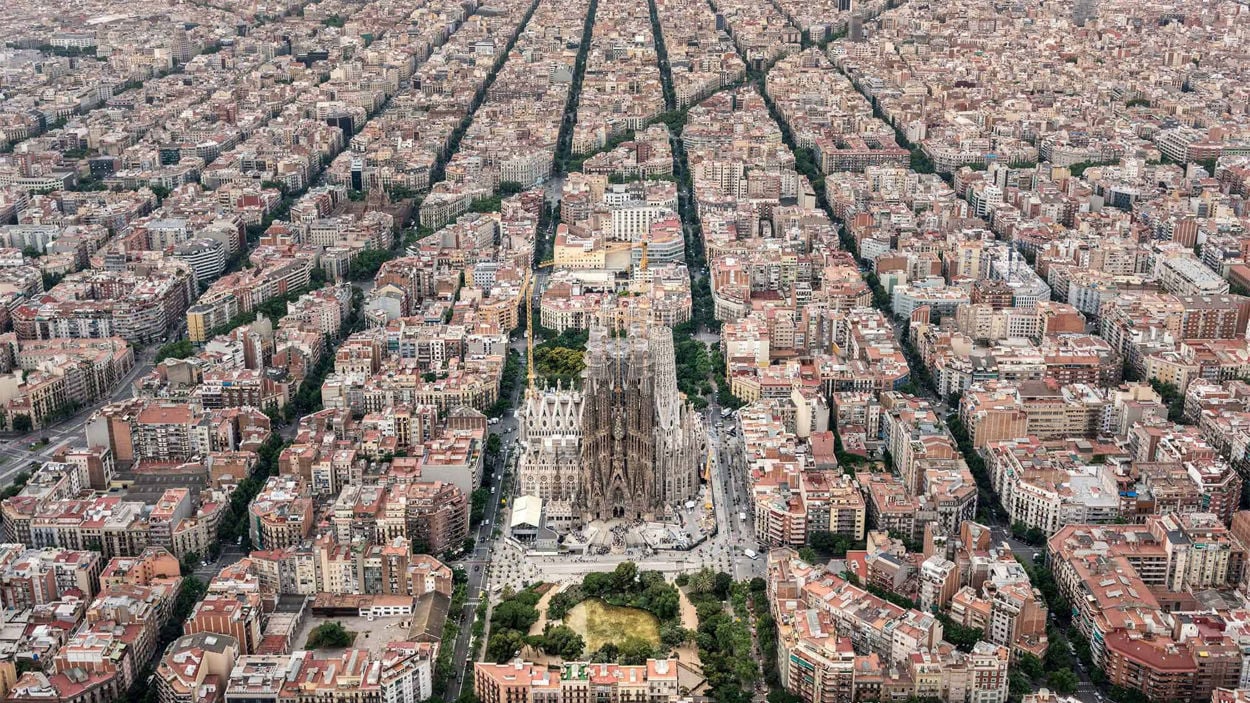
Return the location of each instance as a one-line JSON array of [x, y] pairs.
[[750, 553]]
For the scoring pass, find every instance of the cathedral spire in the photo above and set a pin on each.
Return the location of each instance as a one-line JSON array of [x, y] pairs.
[[622, 450]]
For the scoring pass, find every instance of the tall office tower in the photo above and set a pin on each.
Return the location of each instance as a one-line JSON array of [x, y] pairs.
[[855, 28], [180, 47], [1084, 11]]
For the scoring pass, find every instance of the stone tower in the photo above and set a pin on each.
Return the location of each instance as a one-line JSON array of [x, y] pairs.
[[618, 425], [680, 441], [551, 431]]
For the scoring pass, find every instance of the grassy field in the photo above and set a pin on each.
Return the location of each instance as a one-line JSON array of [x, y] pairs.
[[599, 623]]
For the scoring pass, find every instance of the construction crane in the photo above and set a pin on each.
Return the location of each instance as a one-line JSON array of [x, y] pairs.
[[529, 320]]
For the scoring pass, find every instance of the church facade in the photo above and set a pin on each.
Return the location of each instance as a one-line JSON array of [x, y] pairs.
[[625, 446], [550, 467]]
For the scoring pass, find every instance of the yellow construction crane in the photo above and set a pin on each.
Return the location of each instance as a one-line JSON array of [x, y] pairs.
[[529, 320]]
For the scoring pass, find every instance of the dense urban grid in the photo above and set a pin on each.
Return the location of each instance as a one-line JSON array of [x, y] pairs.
[[608, 351]]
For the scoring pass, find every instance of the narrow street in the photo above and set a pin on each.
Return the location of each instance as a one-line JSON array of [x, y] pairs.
[[477, 565]]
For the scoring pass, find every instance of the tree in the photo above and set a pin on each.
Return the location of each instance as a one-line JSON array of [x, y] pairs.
[[831, 544], [673, 634], [487, 204], [564, 601], [19, 482], [22, 423], [189, 594], [809, 555], [477, 505], [493, 445], [823, 540], [179, 349], [702, 581], [608, 653], [661, 600], [366, 264], [504, 645], [635, 651], [597, 583], [1030, 535], [1172, 398], [189, 561], [964, 638], [1063, 681], [624, 576], [1030, 665], [558, 362], [1018, 684], [512, 614], [561, 641], [329, 635], [25, 665], [401, 193], [51, 279], [723, 582]]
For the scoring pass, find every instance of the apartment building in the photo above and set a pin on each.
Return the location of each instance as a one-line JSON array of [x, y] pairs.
[[234, 616], [281, 514], [837, 642], [139, 430], [195, 668], [664, 680], [1048, 490], [33, 577], [401, 673]]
